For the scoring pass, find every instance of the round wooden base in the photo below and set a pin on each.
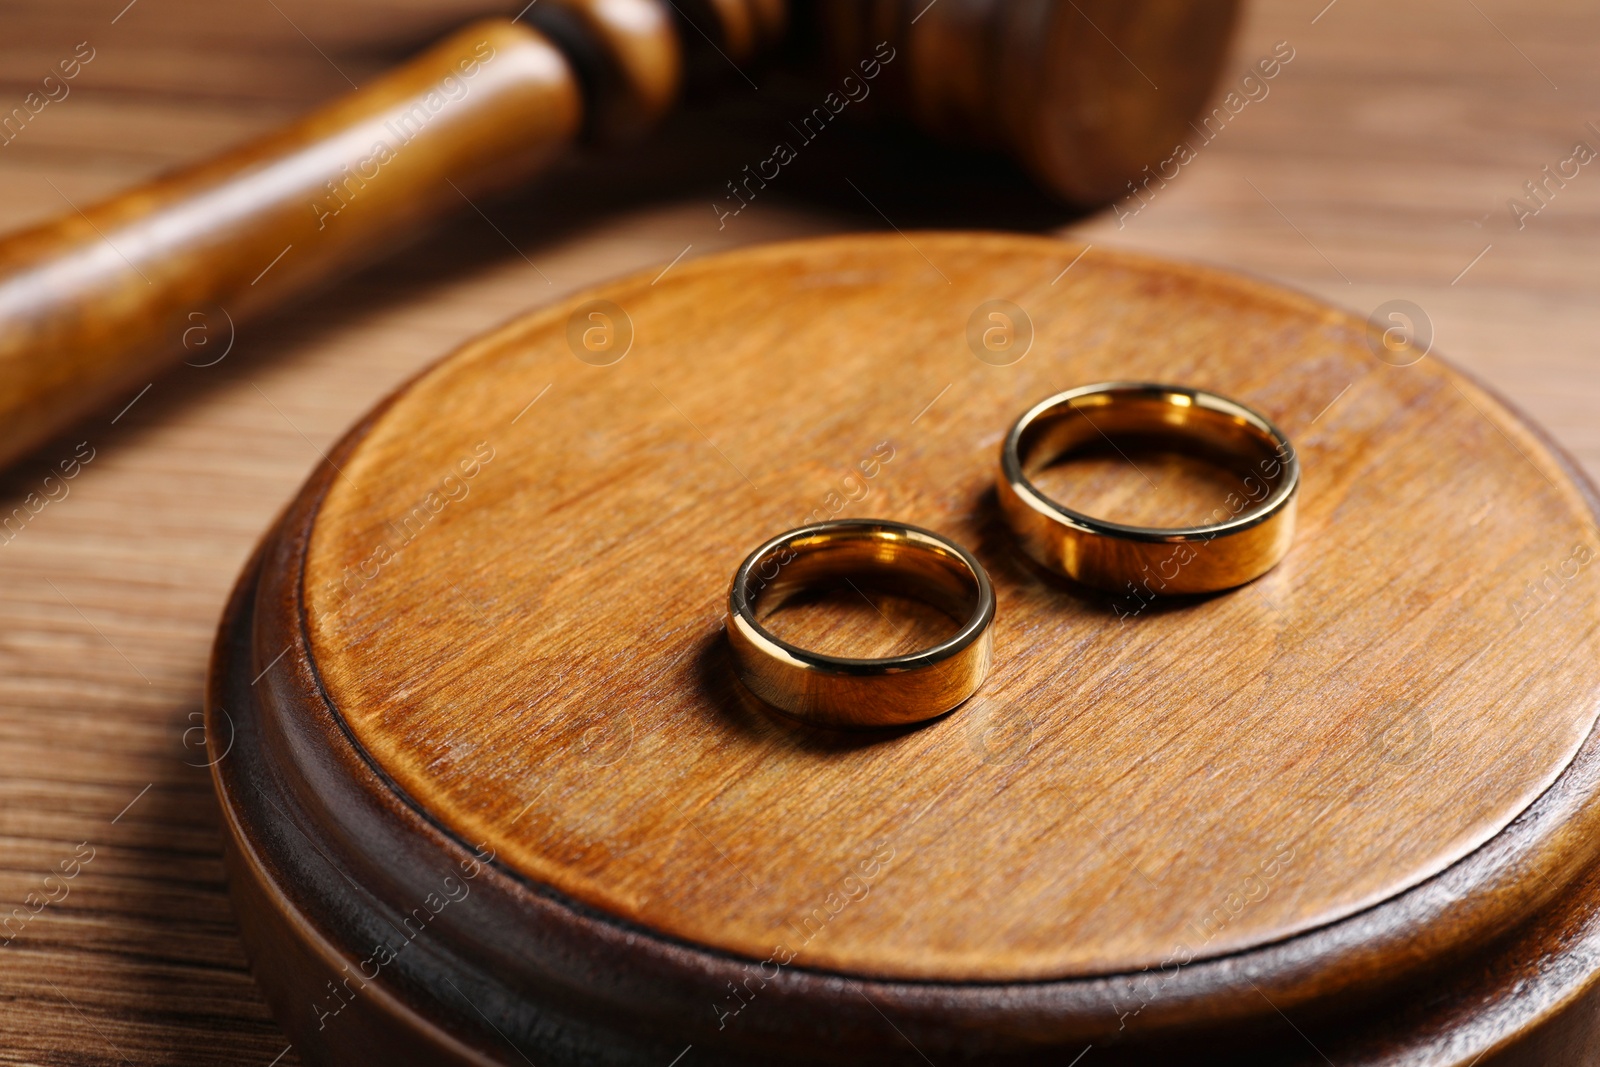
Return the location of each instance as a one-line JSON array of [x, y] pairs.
[[492, 796]]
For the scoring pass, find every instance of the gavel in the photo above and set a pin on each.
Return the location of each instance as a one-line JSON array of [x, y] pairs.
[[1084, 94]]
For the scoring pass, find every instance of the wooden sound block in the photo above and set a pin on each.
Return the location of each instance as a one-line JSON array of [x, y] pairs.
[[494, 795]]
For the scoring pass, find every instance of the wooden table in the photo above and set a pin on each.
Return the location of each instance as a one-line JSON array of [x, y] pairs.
[[1378, 167]]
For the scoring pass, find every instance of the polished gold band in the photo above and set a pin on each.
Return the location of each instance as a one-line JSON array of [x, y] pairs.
[[1250, 529], [840, 692]]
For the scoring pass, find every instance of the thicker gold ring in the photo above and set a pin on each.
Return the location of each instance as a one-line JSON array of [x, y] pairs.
[[1249, 532], [838, 691]]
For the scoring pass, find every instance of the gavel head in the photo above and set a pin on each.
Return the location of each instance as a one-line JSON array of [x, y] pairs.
[[1083, 94]]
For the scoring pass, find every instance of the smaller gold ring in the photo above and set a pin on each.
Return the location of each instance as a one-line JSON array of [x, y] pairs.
[[1249, 531], [841, 692]]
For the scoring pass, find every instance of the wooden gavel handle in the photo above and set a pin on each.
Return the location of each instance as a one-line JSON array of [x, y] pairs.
[[93, 303]]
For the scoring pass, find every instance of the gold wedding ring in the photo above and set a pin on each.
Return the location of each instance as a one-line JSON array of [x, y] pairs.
[[840, 692], [1248, 533]]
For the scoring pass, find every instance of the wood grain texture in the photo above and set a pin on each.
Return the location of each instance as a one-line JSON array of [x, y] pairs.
[[1392, 142], [518, 610], [328, 862]]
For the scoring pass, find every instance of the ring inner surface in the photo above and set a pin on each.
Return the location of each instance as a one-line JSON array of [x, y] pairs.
[[862, 565], [1242, 457]]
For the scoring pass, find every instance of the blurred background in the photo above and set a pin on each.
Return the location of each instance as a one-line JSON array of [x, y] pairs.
[[1381, 165]]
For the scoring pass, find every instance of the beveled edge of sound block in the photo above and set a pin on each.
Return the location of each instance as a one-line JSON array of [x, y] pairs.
[[325, 851]]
